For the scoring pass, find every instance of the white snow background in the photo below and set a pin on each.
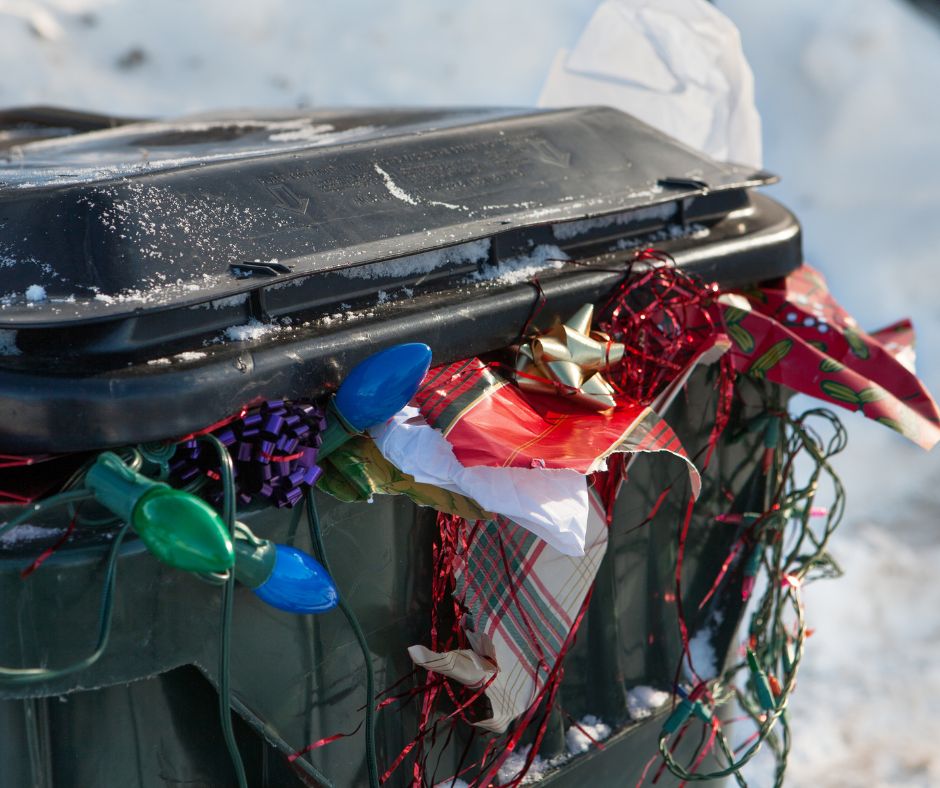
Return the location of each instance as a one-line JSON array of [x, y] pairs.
[[848, 91]]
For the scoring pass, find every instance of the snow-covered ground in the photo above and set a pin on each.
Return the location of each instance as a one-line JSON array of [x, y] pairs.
[[177, 56], [848, 94]]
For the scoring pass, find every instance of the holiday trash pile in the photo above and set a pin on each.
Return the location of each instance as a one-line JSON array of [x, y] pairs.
[[522, 454]]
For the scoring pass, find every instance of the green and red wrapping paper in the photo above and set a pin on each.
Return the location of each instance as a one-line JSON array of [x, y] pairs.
[[793, 332]]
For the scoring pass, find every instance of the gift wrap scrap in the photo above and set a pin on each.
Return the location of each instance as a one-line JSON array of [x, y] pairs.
[[524, 452]]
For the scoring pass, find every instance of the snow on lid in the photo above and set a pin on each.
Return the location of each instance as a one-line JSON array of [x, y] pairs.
[[303, 133], [190, 355], [393, 188], [522, 268], [148, 147], [186, 355], [642, 701], [567, 230], [35, 293], [424, 263], [671, 232], [223, 303], [253, 329]]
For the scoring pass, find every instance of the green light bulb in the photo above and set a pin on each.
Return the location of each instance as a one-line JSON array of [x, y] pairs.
[[183, 531], [177, 527]]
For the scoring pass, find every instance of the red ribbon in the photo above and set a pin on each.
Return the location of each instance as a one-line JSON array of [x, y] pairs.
[[50, 550], [321, 743]]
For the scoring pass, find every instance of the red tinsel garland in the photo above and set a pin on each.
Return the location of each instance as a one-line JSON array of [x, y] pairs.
[[663, 316]]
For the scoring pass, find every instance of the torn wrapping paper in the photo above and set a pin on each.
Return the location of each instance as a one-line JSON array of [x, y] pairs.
[[522, 599], [898, 340], [675, 64], [796, 334], [552, 504], [490, 422], [487, 421]]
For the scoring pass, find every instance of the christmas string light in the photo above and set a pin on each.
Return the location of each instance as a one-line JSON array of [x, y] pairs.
[[176, 526], [374, 391], [187, 533], [281, 575], [791, 550], [316, 539]]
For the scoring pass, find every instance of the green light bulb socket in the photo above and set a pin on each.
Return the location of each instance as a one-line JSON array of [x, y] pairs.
[[177, 527], [679, 715], [254, 557], [761, 686], [338, 431], [117, 487]]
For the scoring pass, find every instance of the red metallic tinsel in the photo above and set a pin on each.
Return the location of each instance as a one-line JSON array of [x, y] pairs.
[[663, 316]]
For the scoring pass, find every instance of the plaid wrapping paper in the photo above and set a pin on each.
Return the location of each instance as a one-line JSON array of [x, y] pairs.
[[522, 598]]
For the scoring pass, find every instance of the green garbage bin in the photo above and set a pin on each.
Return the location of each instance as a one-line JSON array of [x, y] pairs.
[[163, 275]]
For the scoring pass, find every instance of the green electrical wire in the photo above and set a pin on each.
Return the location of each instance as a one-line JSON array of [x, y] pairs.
[[74, 494], [779, 650], [21, 676], [25, 676], [225, 627], [316, 538], [130, 456], [39, 507]]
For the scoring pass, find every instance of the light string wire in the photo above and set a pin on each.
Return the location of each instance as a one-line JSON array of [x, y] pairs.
[[26, 676], [70, 497], [316, 539], [17, 677], [225, 625], [777, 629]]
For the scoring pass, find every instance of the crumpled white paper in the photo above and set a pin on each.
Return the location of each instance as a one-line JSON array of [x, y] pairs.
[[675, 64], [552, 504]]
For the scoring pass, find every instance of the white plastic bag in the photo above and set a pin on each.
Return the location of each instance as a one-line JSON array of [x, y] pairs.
[[675, 64], [552, 504]]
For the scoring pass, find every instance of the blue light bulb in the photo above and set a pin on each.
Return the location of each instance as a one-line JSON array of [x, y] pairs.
[[298, 583], [377, 388]]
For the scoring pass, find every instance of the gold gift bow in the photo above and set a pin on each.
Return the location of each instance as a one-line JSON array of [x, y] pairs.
[[568, 360]]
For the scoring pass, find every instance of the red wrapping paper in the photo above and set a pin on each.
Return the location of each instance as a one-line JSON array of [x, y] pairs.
[[490, 422], [796, 334]]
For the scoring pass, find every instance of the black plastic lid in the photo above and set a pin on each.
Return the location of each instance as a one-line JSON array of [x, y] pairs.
[[153, 216], [155, 276]]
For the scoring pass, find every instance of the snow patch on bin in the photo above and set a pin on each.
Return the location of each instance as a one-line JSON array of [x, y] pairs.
[[642, 701], [519, 269], [566, 231], [424, 263], [579, 738]]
